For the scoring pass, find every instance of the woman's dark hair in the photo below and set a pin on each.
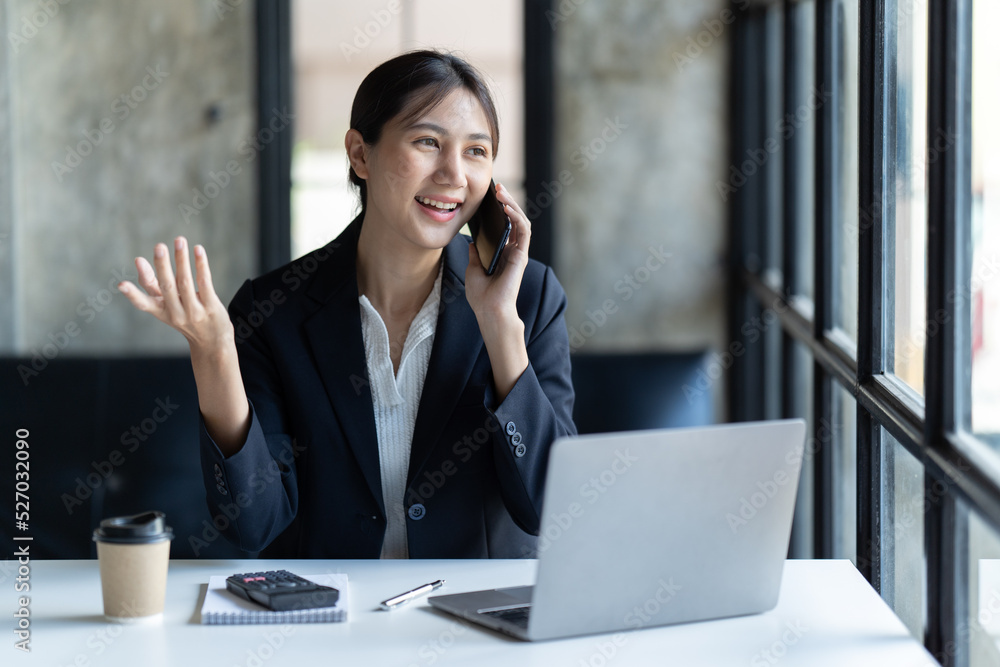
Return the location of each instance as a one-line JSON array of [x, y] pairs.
[[416, 81]]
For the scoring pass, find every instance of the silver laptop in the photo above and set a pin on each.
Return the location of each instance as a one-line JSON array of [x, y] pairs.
[[649, 528]]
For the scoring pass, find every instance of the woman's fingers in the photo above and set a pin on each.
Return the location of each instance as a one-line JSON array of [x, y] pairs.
[[147, 277], [168, 285], [521, 229], [205, 287], [185, 281], [508, 200], [521, 232], [186, 300], [142, 301]]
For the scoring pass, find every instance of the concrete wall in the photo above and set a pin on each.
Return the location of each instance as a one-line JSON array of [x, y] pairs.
[[112, 114], [641, 142]]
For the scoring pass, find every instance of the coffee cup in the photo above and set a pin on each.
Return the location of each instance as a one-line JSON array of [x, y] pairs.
[[133, 553]]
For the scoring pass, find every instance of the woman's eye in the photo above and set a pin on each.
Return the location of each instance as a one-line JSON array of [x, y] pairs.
[[479, 150], [427, 141]]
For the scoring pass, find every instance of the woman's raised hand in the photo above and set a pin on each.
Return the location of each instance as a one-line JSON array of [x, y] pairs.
[[192, 307], [204, 321]]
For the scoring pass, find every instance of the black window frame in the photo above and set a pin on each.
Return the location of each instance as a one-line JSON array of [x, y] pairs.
[[934, 429], [273, 28]]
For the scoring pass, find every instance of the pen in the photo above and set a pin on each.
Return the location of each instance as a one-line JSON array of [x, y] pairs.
[[403, 598]]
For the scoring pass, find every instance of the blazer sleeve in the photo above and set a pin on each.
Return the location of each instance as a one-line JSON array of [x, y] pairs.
[[252, 495], [536, 411]]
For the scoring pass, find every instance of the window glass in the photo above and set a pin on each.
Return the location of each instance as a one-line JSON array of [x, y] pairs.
[[903, 564], [773, 116], [845, 494], [845, 235], [981, 631], [984, 292], [907, 247], [802, 125]]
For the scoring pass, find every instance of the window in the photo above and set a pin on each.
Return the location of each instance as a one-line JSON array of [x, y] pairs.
[[901, 336], [774, 72], [903, 569], [984, 288], [844, 435], [907, 232], [982, 626], [805, 99], [845, 163]]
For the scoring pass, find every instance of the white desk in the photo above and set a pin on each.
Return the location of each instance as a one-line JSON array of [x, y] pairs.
[[827, 615]]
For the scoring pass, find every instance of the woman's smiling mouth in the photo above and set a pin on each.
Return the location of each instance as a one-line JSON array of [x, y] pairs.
[[439, 210], [440, 205]]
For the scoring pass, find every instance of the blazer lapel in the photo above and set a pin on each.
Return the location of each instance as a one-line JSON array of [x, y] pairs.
[[335, 338], [334, 335], [457, 345]]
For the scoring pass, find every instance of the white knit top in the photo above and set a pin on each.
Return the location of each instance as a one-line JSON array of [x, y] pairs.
[[396, 399]]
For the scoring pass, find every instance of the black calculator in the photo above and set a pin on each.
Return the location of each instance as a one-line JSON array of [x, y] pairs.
[[281, 590]]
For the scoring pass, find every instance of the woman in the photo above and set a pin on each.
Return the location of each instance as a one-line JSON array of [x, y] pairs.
[[382, 396]]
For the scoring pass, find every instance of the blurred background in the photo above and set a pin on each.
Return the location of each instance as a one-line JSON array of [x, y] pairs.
[[125, 125]]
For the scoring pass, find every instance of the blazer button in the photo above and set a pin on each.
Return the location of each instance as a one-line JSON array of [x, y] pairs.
[[221, 489], [218, 470], [511, 428], [520, 450], [516, 438], [417, 511]]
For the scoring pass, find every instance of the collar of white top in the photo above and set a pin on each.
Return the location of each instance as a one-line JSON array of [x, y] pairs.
[[377, 341]]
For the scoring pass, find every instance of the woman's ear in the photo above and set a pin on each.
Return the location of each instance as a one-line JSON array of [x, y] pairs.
[[357, 152]]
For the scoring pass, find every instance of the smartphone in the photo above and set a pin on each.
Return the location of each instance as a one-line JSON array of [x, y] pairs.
[[490, 228]]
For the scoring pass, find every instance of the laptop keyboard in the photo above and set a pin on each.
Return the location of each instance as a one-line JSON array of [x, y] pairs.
[[516, 615]]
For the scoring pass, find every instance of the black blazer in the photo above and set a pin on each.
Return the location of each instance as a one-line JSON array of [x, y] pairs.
[[307, 480]]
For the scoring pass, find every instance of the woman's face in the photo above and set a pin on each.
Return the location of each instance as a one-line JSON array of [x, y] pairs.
[[426, 177]]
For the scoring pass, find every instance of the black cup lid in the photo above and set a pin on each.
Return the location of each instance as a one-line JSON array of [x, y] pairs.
[[136, 529]]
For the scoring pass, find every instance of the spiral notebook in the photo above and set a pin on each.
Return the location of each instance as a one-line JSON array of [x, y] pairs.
[[224, 608]]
